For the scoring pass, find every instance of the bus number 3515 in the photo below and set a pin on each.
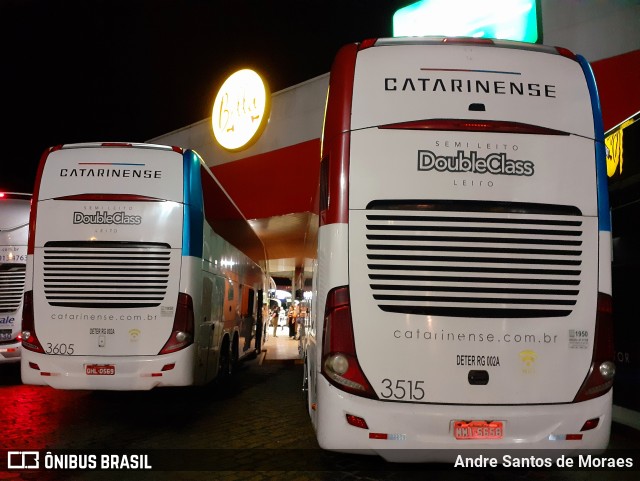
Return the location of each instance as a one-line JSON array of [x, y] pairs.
[[402, 389]]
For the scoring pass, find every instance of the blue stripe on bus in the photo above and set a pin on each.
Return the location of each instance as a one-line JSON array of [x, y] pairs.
[[604, 215], [192, 228]]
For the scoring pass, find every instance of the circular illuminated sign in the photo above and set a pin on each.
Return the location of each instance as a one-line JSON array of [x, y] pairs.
[[240, 110]]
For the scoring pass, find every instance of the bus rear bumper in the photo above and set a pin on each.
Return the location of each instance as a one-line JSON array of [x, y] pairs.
[[407, 432], [131, 373], [10, 353]]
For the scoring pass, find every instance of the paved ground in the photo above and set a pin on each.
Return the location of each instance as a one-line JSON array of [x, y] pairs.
[[256, 429]]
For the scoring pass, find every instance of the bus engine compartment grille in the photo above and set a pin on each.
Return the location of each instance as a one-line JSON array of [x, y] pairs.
[[11, 286], [106, 274], [460, 259]]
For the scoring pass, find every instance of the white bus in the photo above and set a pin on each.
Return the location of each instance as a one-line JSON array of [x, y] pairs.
[[14, 231], [139, 271], [462, 284]]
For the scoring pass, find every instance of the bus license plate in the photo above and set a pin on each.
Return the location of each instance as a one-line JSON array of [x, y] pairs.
[[100, 370], [478, 429], [5, 334]]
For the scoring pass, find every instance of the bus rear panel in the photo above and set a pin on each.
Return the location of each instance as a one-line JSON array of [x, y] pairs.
[[14, 230], [463, 272], [104, 272]]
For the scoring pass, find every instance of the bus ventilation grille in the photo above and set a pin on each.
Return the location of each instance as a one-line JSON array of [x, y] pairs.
[[443, 260], [11, 286], [106, 274]]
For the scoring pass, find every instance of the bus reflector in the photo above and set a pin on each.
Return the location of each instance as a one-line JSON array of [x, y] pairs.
[[565, 437], [339, 360], [378, 435], [602, 371], [357, 421], [183, 326], [29, 339], [590, 424]]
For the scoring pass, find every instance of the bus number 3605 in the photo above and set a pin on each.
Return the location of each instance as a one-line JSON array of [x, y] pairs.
[[65, 349], [402, 389]]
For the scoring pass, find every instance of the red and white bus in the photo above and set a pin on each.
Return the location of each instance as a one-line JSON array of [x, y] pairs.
[[14, 231], [462, 285], [141, 271]]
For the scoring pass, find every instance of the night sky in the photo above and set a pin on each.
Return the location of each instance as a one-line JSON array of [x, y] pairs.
[[130, 70]]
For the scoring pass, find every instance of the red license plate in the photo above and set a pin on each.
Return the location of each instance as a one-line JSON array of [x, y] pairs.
[[478, 429], [100, 369]]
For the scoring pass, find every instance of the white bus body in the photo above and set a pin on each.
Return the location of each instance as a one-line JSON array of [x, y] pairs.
[[14, 231], [462, 282], [135, 277]]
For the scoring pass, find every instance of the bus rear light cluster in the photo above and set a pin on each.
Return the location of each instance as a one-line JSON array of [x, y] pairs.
[[599, 380], [29, 339], [36, 367], [183, 326], [340, 364], [587, 426], [165, 368]]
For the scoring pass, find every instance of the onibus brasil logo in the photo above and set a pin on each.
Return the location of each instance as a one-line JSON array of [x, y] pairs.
[[494, 163]]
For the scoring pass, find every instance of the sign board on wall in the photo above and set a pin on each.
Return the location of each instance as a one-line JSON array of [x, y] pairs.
[[503, 19], [241, 110]]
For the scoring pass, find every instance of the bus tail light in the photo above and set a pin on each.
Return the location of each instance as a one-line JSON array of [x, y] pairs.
[[183, 326], [339, 360], [602, 370], [29, 339], [473, 125]]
